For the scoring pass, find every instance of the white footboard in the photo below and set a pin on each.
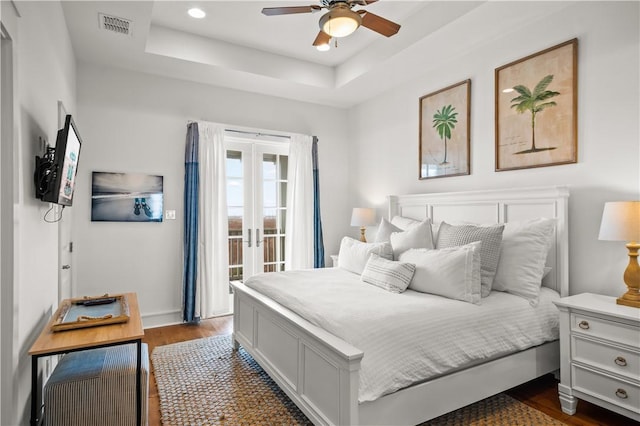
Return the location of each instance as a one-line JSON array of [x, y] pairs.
[[317, 370]]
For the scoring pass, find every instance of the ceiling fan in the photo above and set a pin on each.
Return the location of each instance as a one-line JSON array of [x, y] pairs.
[[340, 20]]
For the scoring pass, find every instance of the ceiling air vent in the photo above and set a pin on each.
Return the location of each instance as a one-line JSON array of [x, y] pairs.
[[115, 24]]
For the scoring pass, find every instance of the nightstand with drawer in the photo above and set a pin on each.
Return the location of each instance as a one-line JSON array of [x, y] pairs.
[[599, 354]]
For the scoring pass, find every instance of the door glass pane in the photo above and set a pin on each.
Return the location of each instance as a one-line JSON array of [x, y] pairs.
[[284, 167], [283, 221], [235, 212], [269, 162], [274, 187], [234, 164], [282, 249], [270, 193], [269, 249], [283, 195]]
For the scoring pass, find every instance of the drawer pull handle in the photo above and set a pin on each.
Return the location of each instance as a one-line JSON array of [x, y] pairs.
[[584, 325], [620, 361], [622, 394]]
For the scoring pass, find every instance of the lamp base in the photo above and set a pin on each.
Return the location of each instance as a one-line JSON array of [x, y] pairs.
[[631, 279], [628, 302], [363, 238]]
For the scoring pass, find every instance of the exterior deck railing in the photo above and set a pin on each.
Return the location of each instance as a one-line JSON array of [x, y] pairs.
[[271, 261]]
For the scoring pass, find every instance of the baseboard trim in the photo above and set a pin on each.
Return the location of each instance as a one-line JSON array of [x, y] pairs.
[[161, 319]]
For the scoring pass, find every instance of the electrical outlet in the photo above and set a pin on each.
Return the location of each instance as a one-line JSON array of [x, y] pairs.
[[170, 215]]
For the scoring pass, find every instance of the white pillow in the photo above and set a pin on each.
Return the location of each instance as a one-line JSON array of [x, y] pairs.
[[450, 272], [404, 223], [417, 236], [491, 237], [525, 246], [384, 230], [353, 254], [387, 274]]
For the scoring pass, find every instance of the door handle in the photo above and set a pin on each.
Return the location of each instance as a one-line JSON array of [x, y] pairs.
[[258, 241], [249, 235], [66, 266]]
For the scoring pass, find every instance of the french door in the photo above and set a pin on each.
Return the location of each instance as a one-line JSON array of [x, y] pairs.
[[256, 200]]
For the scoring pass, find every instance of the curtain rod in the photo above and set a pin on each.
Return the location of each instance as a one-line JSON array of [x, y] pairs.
[[257, 133]]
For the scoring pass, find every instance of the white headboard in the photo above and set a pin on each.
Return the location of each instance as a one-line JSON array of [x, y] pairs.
[[499, 206]]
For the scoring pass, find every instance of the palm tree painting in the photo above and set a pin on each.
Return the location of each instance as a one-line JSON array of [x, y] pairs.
[[534, 102], [445, 120]]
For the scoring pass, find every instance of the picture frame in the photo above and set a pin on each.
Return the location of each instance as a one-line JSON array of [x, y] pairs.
[[536, 103], [126, 197], [445, 132], [80, 312]]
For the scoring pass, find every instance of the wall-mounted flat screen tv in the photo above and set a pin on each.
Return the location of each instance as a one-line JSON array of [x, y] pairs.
[[55, 174]]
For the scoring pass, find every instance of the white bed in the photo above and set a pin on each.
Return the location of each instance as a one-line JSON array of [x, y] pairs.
[[321, 372]]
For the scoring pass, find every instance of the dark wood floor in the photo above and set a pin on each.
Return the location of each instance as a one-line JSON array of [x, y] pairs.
[[541, 393]]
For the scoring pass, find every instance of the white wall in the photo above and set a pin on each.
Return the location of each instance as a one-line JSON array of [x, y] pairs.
[[383, 148], [133, 122], [44, 74]]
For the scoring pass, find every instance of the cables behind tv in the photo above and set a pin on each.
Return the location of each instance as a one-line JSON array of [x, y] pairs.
[[57, 219]]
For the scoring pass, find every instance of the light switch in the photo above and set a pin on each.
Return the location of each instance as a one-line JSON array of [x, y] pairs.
[[170, 215]]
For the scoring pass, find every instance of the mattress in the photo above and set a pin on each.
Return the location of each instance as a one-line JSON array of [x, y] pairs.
[[410, 337]]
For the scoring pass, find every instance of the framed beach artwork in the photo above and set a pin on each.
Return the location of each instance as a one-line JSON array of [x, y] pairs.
[[126, 197], [444, 132], [536, 109]]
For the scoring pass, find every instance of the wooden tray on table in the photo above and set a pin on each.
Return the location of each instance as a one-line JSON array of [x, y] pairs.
[[91, 311]]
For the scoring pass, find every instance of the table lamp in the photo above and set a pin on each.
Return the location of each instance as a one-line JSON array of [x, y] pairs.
[[621, 222], [363, 217]]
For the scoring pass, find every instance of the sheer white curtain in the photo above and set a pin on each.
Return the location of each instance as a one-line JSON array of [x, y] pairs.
[[299, 224], [212, 294]]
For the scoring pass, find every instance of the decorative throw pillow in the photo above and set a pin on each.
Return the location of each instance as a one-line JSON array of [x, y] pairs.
[[491, 237], [353, 254], [417, 236], [385, 230], [387, 274], [450, 272], [525, 246]]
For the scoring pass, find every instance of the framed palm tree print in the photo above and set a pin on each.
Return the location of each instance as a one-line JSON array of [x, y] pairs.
[[444, 132], [536, 109]]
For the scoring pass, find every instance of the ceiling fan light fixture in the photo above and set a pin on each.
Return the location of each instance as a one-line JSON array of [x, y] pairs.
[[324, 47], [340, 21], [197, 13]]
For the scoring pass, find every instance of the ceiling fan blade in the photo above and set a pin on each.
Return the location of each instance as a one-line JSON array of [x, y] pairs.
[[322, 38], [360, 2], [378, 23], [270, 11]]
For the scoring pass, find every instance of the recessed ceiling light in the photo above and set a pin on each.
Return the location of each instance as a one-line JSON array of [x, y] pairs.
[[194, 12], [323, 47]]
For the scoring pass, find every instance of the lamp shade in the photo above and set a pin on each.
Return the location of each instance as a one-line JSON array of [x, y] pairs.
[[621, 221], [363, 217]]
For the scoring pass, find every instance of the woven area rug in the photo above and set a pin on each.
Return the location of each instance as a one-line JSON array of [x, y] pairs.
[[204, 382]]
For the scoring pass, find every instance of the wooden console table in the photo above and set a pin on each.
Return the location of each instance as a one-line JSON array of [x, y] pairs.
[[54, 343]]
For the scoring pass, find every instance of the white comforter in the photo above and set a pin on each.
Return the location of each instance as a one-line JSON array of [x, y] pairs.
[[410, 337]]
